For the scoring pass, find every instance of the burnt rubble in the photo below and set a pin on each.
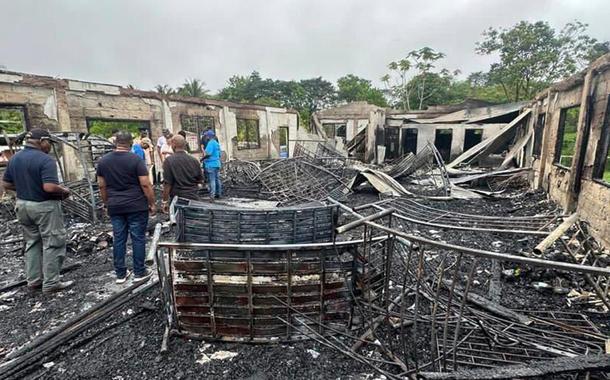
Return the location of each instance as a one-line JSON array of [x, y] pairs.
[[403, 273]]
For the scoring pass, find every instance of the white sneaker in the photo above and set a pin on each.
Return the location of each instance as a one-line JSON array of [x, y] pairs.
[[123, 279]]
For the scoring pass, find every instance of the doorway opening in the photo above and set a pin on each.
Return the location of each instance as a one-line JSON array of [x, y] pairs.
[[391, 142], [472, 137], [284, 149], [442, 142], [409, 140]]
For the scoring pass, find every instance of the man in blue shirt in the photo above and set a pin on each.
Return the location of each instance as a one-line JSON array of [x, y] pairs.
[[32, 173], [211, 161], [138, 151]]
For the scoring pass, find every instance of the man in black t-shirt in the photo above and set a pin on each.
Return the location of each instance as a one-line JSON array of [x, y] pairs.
[[129, 197], [182, 173]]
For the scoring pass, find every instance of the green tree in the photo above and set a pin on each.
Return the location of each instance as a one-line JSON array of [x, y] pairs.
[[351, 88], [305, 96], [409, 81], [533, 55], [12, 121], [164, 89], [194, 88]]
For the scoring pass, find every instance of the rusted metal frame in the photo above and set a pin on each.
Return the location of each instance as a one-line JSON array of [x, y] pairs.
[[463, 228], [272, 247], [403, 305], [420, 270], [442, 169], [294, 227], [473, 216], [313, 229], [488, 254], [88, 179], [433, 343], [322, 256], [449, 305], [565, 326], [210, 221], [239, 226], [288, 293], [462, 307], [250, 293], [449, 218], [544, 340], [389, 247], [211, 292], [599, 291], [328, 327]]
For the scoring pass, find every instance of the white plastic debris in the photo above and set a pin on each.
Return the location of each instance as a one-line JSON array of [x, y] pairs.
[[218, 355], [37, 307], [314, 354], [48, 365]]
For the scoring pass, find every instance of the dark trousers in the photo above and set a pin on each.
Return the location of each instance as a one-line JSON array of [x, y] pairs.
[[135, 224]]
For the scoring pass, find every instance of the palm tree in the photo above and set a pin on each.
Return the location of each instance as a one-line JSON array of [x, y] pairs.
[[164, 89], [194, 88]]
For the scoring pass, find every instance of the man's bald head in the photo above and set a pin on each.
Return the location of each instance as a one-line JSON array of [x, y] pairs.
[[178, 142]]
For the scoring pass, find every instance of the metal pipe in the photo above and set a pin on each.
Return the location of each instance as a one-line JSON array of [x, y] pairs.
[[357, 223], [556, 234]]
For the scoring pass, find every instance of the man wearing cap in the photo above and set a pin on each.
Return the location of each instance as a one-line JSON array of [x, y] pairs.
[[128, 195], [211, 161], [32, 173]]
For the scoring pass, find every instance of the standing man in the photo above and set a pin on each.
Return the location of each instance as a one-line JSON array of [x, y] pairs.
[[129, 198], [162, 140], [181, 173], [211, 161], [149, 157], [32, 173], [166, 149]]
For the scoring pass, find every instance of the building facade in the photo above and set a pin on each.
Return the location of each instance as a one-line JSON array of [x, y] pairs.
[[248, 132]]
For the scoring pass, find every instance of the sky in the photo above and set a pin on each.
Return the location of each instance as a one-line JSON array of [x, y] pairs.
[[150, 42]]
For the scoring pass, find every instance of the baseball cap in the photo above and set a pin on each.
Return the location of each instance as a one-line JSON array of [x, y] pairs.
[[38, 134], [209, 133]]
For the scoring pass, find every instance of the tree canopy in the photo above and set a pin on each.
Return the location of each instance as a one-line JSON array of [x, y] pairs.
[[530, 56], [351, 88], [533, 55]]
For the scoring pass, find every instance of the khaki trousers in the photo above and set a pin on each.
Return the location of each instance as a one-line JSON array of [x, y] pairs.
[[45, 240]]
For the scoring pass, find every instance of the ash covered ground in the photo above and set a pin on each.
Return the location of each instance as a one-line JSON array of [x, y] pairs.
[[127, 345]]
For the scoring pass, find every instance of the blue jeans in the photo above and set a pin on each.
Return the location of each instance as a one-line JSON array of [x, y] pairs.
[[135, 224], [214, 181]]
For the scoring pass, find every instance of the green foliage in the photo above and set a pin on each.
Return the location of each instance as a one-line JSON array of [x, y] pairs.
[[532, 55], [12, 120], [568, 138], [194, 88], [164, 89], [352, 89], [104, 128], [305, 96], [413, 82], [606, 176]]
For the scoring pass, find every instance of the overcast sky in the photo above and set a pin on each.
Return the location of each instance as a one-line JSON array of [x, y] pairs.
[[149, 42]]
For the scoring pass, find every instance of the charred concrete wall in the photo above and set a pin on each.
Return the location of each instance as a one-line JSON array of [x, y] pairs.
[[67, 105], [576, 187]]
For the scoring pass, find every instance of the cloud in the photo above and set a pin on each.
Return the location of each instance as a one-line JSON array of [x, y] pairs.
[[147, 42]]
